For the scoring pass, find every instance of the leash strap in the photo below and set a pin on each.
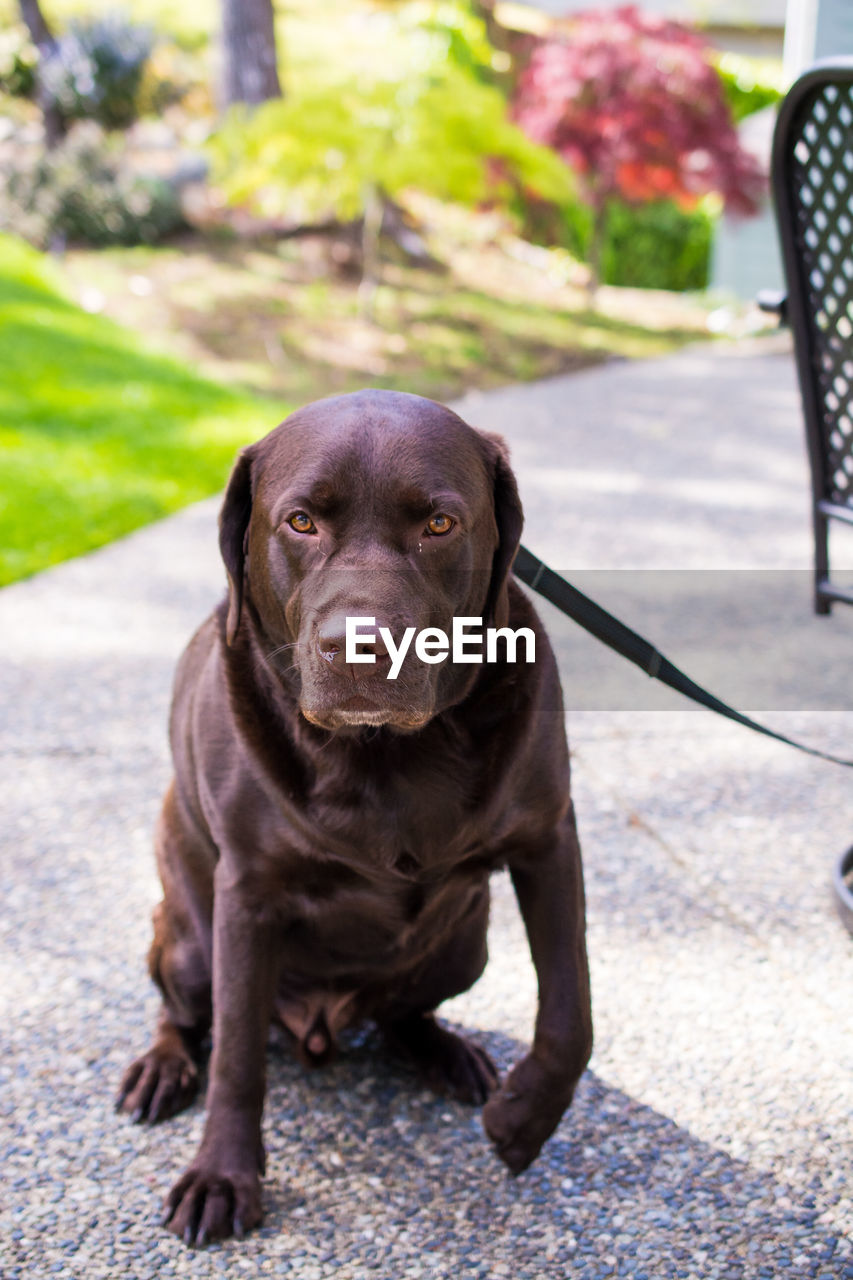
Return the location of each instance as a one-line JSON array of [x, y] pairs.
[[610, 631]]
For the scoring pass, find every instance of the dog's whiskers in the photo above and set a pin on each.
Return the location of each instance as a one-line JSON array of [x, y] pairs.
[[282, 648], [270, 658]]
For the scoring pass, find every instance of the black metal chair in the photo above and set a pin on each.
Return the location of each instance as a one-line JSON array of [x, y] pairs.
[[812, 182]]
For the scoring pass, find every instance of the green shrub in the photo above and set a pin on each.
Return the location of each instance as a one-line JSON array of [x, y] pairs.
[[750, 84], [18, 62], [647, 246], [420, 116], [81, 192], [657, 246], [96, 70]]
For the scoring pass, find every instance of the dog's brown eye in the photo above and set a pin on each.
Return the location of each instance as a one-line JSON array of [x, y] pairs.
[[302, 523], [440, 524]]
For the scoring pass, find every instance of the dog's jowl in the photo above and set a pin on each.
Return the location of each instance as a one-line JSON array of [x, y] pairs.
[[326, 843]]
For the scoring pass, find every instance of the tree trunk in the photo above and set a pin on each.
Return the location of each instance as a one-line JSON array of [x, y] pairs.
[[45, 41], [595, 248], [496, 33], [600, 211], [249, 72], [36, 23], [370, 251]]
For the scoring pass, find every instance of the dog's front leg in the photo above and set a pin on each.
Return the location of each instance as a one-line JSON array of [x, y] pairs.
[[528, 1107], [220, 1193]]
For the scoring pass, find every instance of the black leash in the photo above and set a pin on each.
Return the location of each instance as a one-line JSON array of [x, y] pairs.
[[610, 631]]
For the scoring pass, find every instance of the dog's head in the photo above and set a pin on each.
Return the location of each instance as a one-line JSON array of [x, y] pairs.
[[373, 505]]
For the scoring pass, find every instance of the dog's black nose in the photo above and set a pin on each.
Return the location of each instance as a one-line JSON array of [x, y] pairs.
[[332, 643]]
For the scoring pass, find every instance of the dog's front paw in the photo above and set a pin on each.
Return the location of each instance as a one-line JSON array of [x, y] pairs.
[[206, 1205], [524, 1112]]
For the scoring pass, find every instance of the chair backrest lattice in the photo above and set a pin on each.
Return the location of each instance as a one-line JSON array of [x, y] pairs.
[[813, 194]]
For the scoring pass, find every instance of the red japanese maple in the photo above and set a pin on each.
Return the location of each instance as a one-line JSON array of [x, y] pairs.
[[632, 103]]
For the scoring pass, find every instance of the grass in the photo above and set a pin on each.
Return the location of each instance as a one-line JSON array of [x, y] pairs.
[[97, 436]]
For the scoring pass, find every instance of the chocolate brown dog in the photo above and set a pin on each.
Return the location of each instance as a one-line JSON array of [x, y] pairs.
[[326, 844]]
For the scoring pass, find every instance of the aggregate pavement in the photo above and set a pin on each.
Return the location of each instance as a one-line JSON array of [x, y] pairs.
[[712, 1135]]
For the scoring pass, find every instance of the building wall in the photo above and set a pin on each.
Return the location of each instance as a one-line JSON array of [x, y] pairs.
[[738, 13], [747, 255], [834, 28]]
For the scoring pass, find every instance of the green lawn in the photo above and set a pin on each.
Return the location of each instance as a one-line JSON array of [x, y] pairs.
[[97, 436]]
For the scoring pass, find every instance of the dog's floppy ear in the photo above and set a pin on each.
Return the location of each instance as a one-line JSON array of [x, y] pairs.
[[509, 518], [233, 536]]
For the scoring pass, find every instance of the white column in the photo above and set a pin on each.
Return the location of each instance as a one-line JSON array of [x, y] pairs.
[[800, 35]]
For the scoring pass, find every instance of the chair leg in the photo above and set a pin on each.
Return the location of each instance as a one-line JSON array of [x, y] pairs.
[[822, 604]]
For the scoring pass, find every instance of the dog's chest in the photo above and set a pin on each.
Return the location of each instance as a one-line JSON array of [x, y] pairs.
[[392, 863], [414, 816]]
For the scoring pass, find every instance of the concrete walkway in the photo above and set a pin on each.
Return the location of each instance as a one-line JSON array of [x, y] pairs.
[[712, 1136]]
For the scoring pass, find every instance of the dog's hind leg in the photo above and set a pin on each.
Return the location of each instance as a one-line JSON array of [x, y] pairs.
[[165, 1079], [448, 1063]]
